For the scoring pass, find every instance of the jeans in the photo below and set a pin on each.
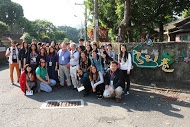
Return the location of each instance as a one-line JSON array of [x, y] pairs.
[[47, 88]]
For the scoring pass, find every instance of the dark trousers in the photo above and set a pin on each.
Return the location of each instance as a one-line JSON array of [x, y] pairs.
[[87, 87], [126, 78], [100, 89]]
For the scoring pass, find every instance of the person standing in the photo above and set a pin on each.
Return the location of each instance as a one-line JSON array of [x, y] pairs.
[[111, 52], [64, 65], [22, 53], [12, 53], [74, 65], [124, 58], [32, 57], [113, 82], [52, 64]]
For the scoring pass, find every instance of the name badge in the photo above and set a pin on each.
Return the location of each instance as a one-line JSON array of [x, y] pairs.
[[63, 58], [111, 82], [50, 63], [34, 59]]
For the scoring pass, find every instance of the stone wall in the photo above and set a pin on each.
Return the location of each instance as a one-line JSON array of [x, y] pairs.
[[174, 51]]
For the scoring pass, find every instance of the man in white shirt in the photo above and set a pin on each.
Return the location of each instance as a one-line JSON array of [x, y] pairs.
[[12, 54], [74, 65]]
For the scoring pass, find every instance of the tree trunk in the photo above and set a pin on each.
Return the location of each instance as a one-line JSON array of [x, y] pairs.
[[125, 23], [161, 31]]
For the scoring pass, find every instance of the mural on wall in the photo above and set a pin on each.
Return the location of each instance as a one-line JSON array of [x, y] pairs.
[[142, 59]]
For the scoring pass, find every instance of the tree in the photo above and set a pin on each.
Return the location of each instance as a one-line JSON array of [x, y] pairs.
[[71, 33], [186, 13], [10, 11], [127, 15], [3, 28]]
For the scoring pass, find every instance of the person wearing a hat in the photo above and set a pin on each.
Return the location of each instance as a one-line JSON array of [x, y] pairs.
[[12, 55]]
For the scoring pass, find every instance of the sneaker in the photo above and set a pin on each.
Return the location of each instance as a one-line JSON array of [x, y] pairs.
[[12, 83], [117, 100], [126, 93], [100, 97]]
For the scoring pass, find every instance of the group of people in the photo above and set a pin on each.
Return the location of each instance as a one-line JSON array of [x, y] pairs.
[[99, 70]]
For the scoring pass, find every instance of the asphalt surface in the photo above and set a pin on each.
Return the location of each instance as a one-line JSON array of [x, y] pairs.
[[144, 107]]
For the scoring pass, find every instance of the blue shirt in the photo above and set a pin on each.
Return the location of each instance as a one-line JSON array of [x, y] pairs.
[[64, 56]]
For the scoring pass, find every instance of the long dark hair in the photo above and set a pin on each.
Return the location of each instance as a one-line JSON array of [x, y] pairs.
[[91, 74], [23, 45], [108, 59], [30, 48], [25, 69], [121, 54], [53, 49]]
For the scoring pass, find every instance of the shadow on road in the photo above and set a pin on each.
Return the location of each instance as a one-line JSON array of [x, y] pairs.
[[137, 101]]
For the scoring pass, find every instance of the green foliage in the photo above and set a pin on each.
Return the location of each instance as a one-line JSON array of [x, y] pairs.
[[10, 11], [66, 40], [3, 28], [71, 33], [26, 36], [145, 15], [186, 13]]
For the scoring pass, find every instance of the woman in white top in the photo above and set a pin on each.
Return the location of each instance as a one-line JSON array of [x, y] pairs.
[[97, 81], [124, 58]]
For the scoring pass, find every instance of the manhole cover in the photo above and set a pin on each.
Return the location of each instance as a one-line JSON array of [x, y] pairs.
[[53, 104]]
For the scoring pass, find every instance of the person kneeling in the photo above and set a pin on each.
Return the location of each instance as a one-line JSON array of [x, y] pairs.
[[83, 77], [27, 79], [113, 82], [44, 82], [97, 81]]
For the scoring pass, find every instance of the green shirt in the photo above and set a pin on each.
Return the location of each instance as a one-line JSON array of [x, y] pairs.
[[42, 72]]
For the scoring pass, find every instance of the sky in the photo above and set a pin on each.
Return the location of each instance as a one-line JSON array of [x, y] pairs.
[[59, 12]]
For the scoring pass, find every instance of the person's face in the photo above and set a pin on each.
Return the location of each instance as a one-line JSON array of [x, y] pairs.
[[51, 50], [83, 55], [94, 47], [103, 55], [80, 72], [87, 43], [88, 48], [33, 47], [123, 49], [13, 44], [28, 69], [64, 46], [94, 55], [72, 47], [109, 47], [81, 42], [79, 49], [113, 67], [42, 51], [93, 69], [43, 63], [25, 44], [53, 43]]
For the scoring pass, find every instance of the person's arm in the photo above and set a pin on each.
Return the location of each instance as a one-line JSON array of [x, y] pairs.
[[28, 87], [129, 63], [76, 56], [119, 76], [10, 39], [92, 83], [101, 79], [38, 76], [8, 52], [107, 79]]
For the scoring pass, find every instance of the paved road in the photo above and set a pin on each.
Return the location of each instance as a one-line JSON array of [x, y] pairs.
[[144, 107]]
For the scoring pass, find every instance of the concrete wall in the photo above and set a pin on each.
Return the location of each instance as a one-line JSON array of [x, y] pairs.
[[180, 78]]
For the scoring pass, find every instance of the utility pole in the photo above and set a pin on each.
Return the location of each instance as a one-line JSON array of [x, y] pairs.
[[96, 37], [85, 21]]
